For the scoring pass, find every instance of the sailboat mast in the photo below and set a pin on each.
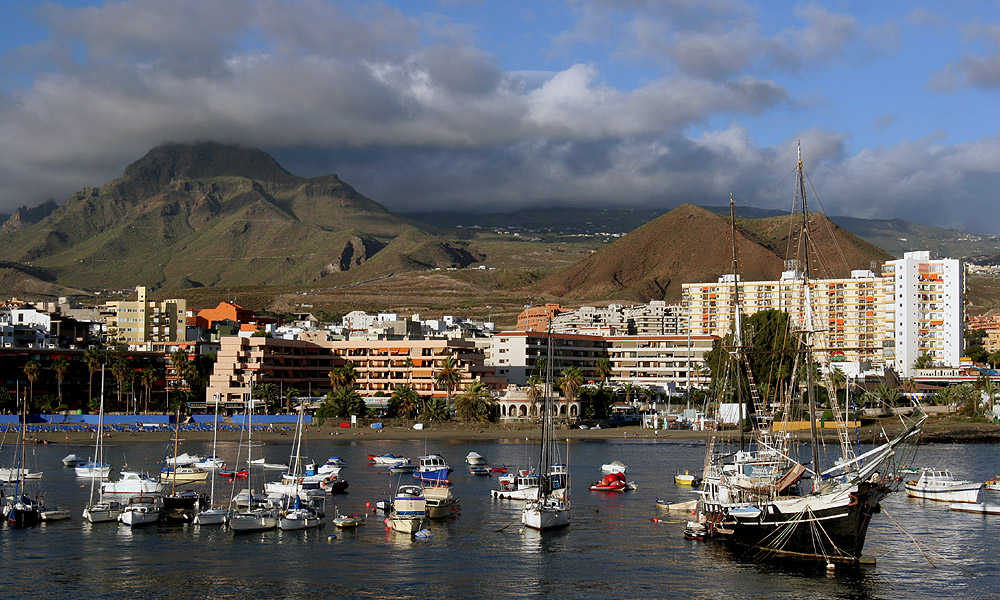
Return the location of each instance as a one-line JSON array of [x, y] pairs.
[[808, 323], [738, 326], [215, 439]]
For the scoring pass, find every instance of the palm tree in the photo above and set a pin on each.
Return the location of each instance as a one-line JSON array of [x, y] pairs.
[[437, 410], [120, 370], [475, 403], [449, 376], [887, 395], [535, 392], [290, 392], [603, 368], [569, 384], [344, 376], [94, 357], [60, 366], [266, 392], [630, 389], [408, 363], [836, 381], [32, 370], [345, 402], [406, 400], [148, 377], [182, 366]]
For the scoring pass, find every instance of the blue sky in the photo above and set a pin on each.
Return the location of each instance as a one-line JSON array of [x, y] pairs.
[[493, 106]]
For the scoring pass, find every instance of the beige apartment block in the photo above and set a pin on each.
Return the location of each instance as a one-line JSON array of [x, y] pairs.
[[140, 322], [852, 318], [381, 365]]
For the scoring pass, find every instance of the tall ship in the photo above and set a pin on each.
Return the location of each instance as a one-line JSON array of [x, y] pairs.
[[762, 493]]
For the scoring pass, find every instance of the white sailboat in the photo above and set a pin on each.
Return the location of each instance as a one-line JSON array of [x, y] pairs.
[[213, 515], [22, 509], [252, 513], [296, 513], [550, 507], [99, 510]]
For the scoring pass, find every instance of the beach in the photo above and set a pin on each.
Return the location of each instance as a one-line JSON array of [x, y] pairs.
[[936, 430]]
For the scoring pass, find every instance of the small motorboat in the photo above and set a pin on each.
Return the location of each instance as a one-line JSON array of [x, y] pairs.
[[55, 514], [687, 479], [668, 506], [141, 510], [72, 460], [386, 459], [332, 466], [475, 458], [93, 470], [480, 470], [615, 466], [993, 483], [403, 467], [982, 508], [335, 485], [347, 521], [432, 467], [942, 486], [695, 531], [210, 464], [266, 465], [384, 505], [184, 460], [612, 482], [234, 474]]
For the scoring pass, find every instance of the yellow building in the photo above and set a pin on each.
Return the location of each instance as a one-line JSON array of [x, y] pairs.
[[140, 322]]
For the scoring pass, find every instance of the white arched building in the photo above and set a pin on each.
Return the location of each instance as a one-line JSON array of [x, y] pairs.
[[516, 406]]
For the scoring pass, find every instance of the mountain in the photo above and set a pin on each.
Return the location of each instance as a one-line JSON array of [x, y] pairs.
[[24, 216], [210, 214], [692, 244]]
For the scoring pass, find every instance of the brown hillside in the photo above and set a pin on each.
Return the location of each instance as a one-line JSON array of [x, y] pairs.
[[691, 244]]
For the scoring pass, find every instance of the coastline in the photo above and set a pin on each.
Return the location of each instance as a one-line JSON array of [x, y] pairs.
[[934, 431]]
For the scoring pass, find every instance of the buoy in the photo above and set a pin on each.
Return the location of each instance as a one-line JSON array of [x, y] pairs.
[[830, 566], [368, 504], [331, 537], [655, 520]]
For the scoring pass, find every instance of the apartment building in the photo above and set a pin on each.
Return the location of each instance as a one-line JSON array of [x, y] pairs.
[[139, 322], [929, 311], [381, 365], [655, 318], [537, 318], [852, 317], [609, 320]]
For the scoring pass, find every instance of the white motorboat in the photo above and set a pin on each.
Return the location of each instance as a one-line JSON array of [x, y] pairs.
[[432, 467], [332, 466], [942, 486], [9, 475], [184, 460], [981, 508], [143, 509], [93, 470], [210, 464], [403, 467], [173, 476], [520, 485], [72, 460], [409, 510], [475, 458], [132, 483], [386, 459], [441, 502], [55, 514], [615, 466], [262, 463], [347, 521]]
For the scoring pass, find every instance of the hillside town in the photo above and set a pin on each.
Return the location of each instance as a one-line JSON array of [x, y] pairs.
[[901, 327]]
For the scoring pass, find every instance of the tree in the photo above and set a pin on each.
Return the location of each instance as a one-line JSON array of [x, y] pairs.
[[7, 402], [344, 376], [437, 410], [290, 392], [267, 393], [148, 377], [569, 384], [475, 403], [32, 370], [925, 361], [887, 396], [121, 370], [993, 359], [535, 391], [405, 402], [837, 380], [94, 357], [344, 402], [60, 366], [449, 376], [604, 369]]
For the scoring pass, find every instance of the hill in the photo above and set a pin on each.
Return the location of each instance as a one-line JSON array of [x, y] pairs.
[[209, 214], [691, 244]]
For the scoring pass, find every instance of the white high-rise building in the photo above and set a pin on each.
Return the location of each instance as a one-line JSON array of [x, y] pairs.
[[928, 296]]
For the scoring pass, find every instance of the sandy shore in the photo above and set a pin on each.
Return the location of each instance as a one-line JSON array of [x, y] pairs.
[[936, 430]]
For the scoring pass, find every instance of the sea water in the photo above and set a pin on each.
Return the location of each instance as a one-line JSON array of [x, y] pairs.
[[612, 549]]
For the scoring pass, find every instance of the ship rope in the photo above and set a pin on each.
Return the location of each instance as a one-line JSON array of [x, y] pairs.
[[921, 549]]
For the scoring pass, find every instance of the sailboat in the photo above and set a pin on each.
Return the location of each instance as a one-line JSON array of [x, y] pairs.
[[751, 495], [100, 510], [549, 508], [252, 512], [213, 515], [180, 505], [296, 513], [22, 510]]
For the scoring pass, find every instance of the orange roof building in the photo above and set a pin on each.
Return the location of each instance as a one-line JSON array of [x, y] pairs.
[[225, 311], [536, 318]]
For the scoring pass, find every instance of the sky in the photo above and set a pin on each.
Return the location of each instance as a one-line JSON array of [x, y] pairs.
[[496, 105]]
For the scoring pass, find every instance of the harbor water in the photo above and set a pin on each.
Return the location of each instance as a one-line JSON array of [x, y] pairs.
[[612, 549]]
